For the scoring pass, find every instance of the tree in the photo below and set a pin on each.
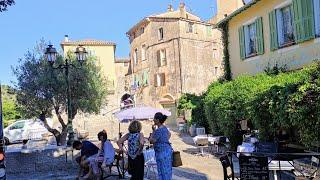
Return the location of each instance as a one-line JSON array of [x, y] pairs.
[[42, 90], [10, 106], [5, 3]]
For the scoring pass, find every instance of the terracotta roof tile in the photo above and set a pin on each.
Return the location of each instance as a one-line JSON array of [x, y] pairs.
[[89, 42]]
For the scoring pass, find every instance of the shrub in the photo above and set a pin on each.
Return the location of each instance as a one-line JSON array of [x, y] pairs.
[[262, 99]]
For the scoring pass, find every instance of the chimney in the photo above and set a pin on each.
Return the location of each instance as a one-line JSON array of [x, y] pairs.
[[170, 8], [66, 38], [183, 11]]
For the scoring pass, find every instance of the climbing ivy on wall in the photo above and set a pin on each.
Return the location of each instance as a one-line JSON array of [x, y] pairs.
[[226, 55]]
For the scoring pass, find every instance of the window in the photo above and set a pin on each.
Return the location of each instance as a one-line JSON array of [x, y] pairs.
[[135, 56], [91, 53], [145, 78], [18, 125], [216, 69], [190, 27], [215, 54], [161, 57], [160, 34], [142, 30], [250, 40], [159, 80], [285, 26], [316, 5], [143, 52], [294, 23]]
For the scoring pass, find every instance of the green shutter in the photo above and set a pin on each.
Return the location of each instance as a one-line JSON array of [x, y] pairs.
[[297, 20], [259, 34], [308, 22], [273, 30], [303, 20], [242, 43], [145, 78]]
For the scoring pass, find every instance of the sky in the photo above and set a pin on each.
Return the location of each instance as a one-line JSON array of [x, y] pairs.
[[28, 21]]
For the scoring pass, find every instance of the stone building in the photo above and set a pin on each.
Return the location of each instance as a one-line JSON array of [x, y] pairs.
[[113, 69], [224, 8], [171, 54]]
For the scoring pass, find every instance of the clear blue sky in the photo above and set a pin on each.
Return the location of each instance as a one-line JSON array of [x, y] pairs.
[[28, 21]]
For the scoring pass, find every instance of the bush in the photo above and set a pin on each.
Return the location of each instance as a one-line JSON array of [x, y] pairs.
[[265, 100], [196, 105]]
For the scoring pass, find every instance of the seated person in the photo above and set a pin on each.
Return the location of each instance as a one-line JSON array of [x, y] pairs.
[[105, 156], [88, 152]]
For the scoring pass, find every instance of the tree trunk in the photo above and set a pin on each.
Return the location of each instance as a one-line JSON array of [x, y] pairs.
[[60, 137]]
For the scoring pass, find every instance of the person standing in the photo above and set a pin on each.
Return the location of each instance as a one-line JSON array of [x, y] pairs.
[[162, 147], [135, 146]]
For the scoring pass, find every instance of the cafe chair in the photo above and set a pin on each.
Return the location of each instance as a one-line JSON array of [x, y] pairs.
[[201, 131], [228, 171], [201, 143], [221, 142], [106, 173], [150, 161], [311, 173]]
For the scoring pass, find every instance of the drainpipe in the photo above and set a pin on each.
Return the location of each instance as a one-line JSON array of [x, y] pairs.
[[180, 68]]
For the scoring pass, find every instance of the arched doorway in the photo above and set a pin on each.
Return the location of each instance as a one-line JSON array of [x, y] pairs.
[[168, 102]]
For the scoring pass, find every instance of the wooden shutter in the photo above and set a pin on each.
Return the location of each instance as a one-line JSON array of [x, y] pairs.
[[308, 21], [165, 58], [155, 81], [273, 30], [259, 34], [303, 20], [163, 79], [317, 16], [158, 58], [145, 78], [242, 43]]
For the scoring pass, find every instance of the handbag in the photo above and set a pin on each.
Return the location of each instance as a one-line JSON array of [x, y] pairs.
[[176, 159]]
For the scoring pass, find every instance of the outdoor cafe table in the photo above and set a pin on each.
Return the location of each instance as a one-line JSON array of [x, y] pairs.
[[211, 139], [276, 165]]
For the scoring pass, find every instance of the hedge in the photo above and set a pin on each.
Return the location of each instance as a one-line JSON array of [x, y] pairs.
[[270, 102]]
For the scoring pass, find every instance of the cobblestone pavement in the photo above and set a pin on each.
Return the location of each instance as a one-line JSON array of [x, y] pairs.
[[194, 167]]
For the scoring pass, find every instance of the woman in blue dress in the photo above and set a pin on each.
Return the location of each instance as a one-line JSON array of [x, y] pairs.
[[162, 147]]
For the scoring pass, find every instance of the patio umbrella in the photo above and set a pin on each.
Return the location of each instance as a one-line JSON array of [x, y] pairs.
[[138, 113]]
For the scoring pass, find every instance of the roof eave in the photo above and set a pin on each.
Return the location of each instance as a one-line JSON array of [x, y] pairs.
[[235, 13]]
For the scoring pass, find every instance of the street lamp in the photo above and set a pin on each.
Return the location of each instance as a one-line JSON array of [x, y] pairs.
[[51, 56]]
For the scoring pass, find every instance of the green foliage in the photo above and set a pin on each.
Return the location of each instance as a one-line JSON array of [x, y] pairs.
[[196, 104], [43, 89], [9, 105], [275, 70], [5, 3], [226, 55], [269, 102]]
